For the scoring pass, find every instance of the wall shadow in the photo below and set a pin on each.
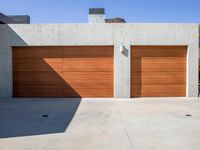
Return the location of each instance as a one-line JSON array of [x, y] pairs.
[[138, 81], [26, 117], [136, 76], [40, 73]]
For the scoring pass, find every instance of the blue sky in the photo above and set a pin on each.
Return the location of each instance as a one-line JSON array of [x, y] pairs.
[[75, 11]]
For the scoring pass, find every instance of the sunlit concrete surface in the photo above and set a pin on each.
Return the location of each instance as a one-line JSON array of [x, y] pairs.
[[100, 124]]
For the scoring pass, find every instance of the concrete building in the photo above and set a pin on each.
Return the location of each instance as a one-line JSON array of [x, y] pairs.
[[5, 19], [20, 19], [99, 60], [14, 19]]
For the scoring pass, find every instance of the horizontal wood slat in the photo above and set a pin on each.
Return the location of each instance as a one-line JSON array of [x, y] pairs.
[[88, 93], [27, 65], [158, 71], [87, 52], [37, 52], [159, 90], [88, 64], [71, 71], [163, 78], [159, 51], [159, 64]]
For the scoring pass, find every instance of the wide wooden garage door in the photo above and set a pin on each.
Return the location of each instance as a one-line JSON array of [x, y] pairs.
[[67, 71], [158, 71]]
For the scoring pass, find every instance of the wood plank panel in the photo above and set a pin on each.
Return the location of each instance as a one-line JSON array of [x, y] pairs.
[[88, 64], [37, 71], [80, 80], [37, 52], [87, 51], [88, 71], [158, 71], [88, 93], [37, 64], [159, 64], [163, 78], [37, 80], [159, 51], [63, 71], [170, 90]]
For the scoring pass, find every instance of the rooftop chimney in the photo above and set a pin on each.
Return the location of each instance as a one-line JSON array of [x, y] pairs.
[[96, 15]]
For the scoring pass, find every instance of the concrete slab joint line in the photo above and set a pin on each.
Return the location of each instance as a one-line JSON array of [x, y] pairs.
[[101, 34], [124, 126]]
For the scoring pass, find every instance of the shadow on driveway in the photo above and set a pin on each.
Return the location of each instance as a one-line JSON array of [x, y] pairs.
[[25, 117]]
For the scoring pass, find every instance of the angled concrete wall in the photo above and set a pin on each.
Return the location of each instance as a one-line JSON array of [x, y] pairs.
[[101, 34]]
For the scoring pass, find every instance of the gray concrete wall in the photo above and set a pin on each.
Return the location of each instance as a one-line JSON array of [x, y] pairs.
[[101, 34]]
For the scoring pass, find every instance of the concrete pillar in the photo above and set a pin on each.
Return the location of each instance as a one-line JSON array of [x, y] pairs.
[[122, 71], [122, 75]]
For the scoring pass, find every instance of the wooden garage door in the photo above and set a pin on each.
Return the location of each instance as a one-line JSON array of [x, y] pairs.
[[158, 71], [68, 71]]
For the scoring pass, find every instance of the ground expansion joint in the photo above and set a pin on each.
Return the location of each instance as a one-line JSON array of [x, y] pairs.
[[124, 126]]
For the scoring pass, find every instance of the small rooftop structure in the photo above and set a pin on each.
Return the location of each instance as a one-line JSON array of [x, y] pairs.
[[115, 20], [96, 15]]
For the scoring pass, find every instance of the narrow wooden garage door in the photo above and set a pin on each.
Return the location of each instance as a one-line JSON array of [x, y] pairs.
[[158, 71], [68, 71]]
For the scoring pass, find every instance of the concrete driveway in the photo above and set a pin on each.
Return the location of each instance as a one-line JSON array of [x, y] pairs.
[[100, 124]]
